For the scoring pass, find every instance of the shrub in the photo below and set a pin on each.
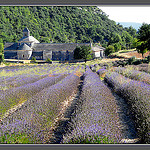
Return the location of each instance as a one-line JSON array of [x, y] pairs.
[[102, 72], [110, 49], [48, 60], [131, 60], [14, 96], [33, 59], [117, 47], [1, 58], [137, 62], [134, 74], [38, 113], [148, 58]]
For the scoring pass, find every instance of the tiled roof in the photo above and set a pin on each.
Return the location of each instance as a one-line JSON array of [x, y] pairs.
[[57, 46], [97, 48], [24, 47], [29, 39], [10, 46]]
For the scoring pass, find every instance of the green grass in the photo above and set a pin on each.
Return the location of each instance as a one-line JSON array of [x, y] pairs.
[[11, 103], [13, 138], [92, 140]]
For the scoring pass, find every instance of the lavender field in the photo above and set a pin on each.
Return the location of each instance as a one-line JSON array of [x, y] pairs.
[[33, 99]]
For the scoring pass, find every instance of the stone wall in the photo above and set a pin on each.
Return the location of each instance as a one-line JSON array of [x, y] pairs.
[[102, 54], [97, 54], [24, 54], [47, 54]]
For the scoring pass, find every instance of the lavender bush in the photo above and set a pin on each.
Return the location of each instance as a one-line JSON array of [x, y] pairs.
[[134, 74], [34, 119], [101, 72], [97, 120], [137, 95], [14, 96], [143, 67], [20, 81]]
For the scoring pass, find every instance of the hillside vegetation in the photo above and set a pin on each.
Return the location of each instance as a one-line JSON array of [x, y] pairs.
[[63, 24]]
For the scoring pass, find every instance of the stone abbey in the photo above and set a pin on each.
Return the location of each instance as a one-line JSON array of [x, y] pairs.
[[28, 47]]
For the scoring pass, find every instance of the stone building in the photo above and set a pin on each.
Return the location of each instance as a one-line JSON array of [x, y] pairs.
[[98, 51], [28, 47]]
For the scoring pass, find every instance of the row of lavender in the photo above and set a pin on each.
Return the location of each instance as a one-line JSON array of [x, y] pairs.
[[96, 120], [19, 80], [133, 74], [137, 95], [14, 77], [32, 122], [37, 70], [143, 67], [14, 96], [17, 84]]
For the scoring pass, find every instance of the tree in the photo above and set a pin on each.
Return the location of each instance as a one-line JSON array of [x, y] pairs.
[[141, 48], [131, 31], [110, 49], [45, 40], [117, 47], [134, 43], [83, 52], [77, 53], [1, 58], [33, 59], [128, 38], [114, 38], [143, 39], [1, 48]]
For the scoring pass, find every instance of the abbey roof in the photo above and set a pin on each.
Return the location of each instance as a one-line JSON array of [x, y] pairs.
[[10, 46], [29, 39], [24, 47], [57, 46]]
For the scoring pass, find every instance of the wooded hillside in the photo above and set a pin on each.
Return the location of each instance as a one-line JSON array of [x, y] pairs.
[[63, 24]]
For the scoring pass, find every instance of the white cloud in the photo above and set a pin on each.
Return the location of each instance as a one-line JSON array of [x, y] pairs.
[[128, 13]]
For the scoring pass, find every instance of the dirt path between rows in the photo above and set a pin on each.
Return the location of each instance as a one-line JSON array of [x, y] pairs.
[[60, 127], [128, 125]]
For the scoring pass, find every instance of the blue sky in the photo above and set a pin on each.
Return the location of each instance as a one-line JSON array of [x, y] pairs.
[[140, 14]]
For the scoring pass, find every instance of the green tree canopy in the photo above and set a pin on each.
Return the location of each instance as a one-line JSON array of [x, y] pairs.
[[62, 24], [110, 49], [1, 58], [117, 47], [83, 52], [1, 48], [143, 39]]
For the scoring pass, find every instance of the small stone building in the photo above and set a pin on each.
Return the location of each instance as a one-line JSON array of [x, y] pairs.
[[98, 51], [28, 47]]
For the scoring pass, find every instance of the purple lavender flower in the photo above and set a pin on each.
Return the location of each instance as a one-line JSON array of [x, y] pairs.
[[97, 117], [137, 95]]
